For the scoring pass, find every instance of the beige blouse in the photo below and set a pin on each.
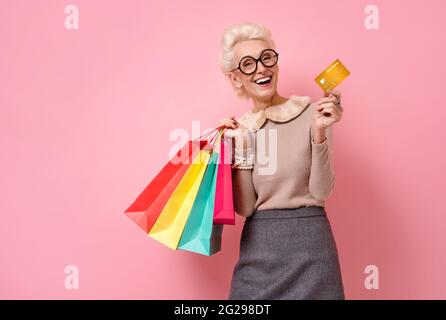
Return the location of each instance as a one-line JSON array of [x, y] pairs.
[[290, 170]]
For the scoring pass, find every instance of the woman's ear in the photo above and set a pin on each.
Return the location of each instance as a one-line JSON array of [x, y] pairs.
[[235, 80]]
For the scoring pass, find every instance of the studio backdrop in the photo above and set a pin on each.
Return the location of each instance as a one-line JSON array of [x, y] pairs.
[[92, 91]]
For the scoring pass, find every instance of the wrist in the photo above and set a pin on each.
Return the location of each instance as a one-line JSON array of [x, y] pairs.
[[243, 162], [318, 134]]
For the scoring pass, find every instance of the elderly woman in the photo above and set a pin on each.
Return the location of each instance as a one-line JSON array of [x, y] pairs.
[[282, 175]]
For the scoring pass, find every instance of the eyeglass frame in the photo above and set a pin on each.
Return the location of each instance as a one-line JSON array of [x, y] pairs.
[[256, 61]]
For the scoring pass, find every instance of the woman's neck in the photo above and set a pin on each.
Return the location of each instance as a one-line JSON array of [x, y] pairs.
[[273, 101]]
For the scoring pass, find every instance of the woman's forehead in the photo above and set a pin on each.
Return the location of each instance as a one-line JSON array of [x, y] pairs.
[[251, 48]]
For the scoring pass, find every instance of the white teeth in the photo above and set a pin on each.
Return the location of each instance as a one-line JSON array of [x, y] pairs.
[[258, 81]]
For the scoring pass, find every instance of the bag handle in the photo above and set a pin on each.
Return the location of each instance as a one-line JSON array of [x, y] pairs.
[[213, 131], [217, 136]]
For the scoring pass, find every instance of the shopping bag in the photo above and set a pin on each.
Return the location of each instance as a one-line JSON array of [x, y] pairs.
[[224, 205], [170, 224], [200, 235], [148, 205]]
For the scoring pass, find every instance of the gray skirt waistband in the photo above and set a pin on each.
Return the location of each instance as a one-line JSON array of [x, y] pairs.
[[301, 212]]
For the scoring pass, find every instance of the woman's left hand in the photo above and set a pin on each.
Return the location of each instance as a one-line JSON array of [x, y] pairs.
[[328, 110]]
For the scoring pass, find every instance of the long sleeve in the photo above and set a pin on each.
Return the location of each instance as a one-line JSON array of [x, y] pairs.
[[322, 177], [244, 194]]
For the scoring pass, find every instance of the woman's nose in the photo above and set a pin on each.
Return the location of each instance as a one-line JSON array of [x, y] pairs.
[[260, 66]]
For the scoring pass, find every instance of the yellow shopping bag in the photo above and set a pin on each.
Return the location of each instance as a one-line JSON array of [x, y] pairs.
[[170, 224]]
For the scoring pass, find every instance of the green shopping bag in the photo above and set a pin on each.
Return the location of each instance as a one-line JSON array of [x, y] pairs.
[[200, 234]]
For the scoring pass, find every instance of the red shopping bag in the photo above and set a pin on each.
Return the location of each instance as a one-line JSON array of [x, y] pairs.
[[145, 210]]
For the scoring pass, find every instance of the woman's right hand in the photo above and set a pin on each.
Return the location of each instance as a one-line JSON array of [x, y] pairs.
[[237, 131], [230, 123]]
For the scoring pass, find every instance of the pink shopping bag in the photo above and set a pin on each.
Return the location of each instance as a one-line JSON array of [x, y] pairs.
[[224, 206]]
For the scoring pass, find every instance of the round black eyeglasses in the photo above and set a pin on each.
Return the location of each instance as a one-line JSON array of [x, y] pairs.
[[248, 64]]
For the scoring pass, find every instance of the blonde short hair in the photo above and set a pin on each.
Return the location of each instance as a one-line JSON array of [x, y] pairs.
[[237, 33]]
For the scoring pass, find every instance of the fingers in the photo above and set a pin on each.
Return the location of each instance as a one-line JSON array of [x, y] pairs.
[[330, 112], [235, 133], [325, 105], [330, 106], [229, 123], [331, 96], [327, 99], [231, 133], [335, 93], [239, 135]]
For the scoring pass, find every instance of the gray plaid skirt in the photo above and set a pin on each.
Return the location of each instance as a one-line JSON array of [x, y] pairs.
[[287, 254]]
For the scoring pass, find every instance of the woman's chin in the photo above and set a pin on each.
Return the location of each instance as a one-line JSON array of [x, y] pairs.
[[264, 92]]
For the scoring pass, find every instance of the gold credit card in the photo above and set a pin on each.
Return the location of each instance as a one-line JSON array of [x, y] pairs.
[[332, 76]]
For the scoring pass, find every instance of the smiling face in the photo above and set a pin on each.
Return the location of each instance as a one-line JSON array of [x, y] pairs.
[[255, 91]]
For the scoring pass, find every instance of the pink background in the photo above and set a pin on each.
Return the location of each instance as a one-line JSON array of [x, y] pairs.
[[86, 116]]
